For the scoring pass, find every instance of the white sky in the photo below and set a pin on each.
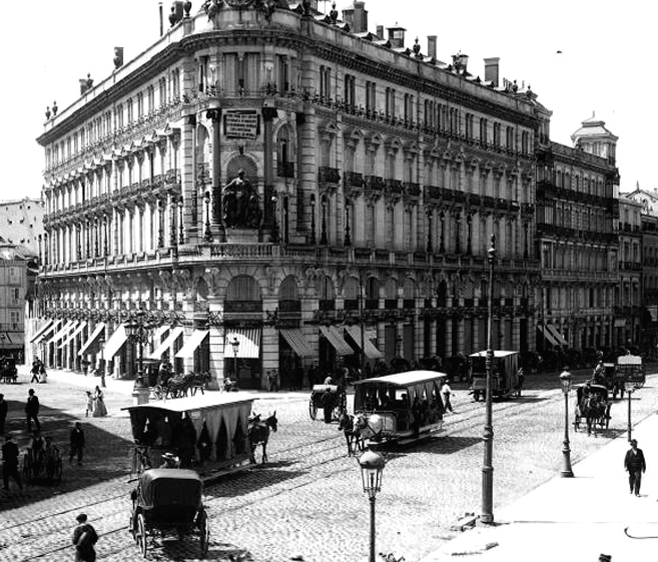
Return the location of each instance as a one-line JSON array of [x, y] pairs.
[[607, 63]]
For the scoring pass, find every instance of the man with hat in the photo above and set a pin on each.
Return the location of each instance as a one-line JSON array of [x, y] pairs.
[[635, 464], [169, 460], [84, 539], [605, 558]]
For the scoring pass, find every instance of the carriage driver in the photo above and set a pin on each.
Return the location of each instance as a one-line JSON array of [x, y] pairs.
[[599, 373], [169, 460]]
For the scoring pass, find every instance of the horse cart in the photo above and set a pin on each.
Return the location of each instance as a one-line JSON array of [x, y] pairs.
[[8, 370], [168, 502], [629, 370], [332, 395], [504, 381], [592, 406], [208, 433]]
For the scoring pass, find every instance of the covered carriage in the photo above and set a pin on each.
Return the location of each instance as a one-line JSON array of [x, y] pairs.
[[629, 370], [168, 502], [208, 433], [505, 368]]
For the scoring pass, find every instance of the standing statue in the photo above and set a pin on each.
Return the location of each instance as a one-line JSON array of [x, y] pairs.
[[240, 203]]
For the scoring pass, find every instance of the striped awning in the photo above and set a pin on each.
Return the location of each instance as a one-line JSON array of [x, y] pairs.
[[165, 345], [249, 343], [41, 331], [64, 330], [547, 335], [297, 342], [92, 339], [68, 339], [370, 351], [116, 341], [336, 339], [190, 346], [556, 335]]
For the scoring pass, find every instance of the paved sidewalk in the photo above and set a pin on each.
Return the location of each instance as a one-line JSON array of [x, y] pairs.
[[575, 519]]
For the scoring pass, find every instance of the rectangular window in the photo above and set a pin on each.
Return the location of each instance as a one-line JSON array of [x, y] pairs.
[[350, 90], [390, 103], [484, 139], [325, 82], [371, 98]]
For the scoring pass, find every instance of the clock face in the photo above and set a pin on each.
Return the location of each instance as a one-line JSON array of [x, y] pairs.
[[239, 3]]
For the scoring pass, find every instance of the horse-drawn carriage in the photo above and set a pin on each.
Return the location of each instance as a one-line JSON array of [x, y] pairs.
[[166, 502], [593, 406], [8, 370], [331, 395], [209, 433], [629, 370], [171, 385]]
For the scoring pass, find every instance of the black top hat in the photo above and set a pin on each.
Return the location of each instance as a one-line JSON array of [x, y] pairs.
[[633, 441], [81, 518], [605, 558]]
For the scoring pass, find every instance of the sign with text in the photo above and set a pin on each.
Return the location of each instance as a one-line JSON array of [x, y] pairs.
[[241, 124]]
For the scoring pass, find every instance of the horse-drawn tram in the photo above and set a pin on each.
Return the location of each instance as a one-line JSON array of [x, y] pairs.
[[399, 408], [208, 433], [504, 381]]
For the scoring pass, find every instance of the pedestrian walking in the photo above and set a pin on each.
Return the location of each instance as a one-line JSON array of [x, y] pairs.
[[84, 539], [635, 465], [32, 411], [43, 376], [446, 393], [10, 463], [90, 403], [35, 372], [520, 375], [4, 408], [100, 410], [273, 379], [77, 443]]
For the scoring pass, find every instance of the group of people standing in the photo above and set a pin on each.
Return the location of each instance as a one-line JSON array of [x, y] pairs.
[[95, 404], [38, 372]]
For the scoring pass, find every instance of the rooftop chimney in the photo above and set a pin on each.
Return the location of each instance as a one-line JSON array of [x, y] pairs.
[[118, 57], [396, 36], [431, 46], [491, 70], [357, 17], [380, 31]]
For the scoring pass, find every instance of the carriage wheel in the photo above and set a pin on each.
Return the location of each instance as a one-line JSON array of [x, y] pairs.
[[140, 536], [204, 532], [312, 410]]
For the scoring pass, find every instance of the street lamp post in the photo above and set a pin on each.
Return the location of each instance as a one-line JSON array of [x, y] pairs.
[[488, 435], [138, 330], [181, 239], [372, 466], [323, 236], [629, 387], [236, 345], [565, 381]]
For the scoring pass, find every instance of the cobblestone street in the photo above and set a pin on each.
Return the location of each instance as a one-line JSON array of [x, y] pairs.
[[307, 500]]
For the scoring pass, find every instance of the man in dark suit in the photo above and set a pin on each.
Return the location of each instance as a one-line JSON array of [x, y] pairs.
[[32, 411], [10, 463], [3, 413], [635, 464]]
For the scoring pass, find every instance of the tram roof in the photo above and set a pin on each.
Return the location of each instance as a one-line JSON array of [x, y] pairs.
[[497, 353], [408, 378], [207, 401]]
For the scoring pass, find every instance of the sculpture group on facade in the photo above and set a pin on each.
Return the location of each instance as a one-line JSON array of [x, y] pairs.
[[241, 205]]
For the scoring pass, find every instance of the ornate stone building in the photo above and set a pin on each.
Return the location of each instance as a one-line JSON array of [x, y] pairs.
[[272, 186], [577, 233]]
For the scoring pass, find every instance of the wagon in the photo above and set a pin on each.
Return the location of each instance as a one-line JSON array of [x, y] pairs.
[[596, 411], [504, 375], [168, 502], [335, 394], [8, 370]]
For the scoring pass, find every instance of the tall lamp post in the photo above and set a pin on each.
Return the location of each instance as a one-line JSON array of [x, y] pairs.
[[630, 387], [138, 329], [565, 381], [207, 236], [487, 437], [236, 345], [372, 466]]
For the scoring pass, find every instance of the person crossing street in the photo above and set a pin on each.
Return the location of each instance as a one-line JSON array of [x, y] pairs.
[[635, 464]]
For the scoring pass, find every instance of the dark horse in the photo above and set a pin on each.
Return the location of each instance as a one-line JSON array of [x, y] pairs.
[[259, 433], [355, 443], [593, 408]]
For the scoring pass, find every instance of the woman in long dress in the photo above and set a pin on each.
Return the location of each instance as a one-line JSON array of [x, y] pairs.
[[99, 404]]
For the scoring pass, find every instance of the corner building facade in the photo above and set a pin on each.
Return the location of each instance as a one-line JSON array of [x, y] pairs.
[[373, 178]]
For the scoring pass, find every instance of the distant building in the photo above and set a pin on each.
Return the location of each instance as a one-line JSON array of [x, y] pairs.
[[577, 223], [21, 222], [14, 288], [649, 284]]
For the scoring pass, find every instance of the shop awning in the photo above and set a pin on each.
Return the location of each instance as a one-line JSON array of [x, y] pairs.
[[190, 346], [557, 335], [68, 339], [371, 352], [116, 341], [547, 335], [297, 342], [336, 340], [64, 330], [92, 339], [249, 339], [41, 331], [165, 345], [159, 332]]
